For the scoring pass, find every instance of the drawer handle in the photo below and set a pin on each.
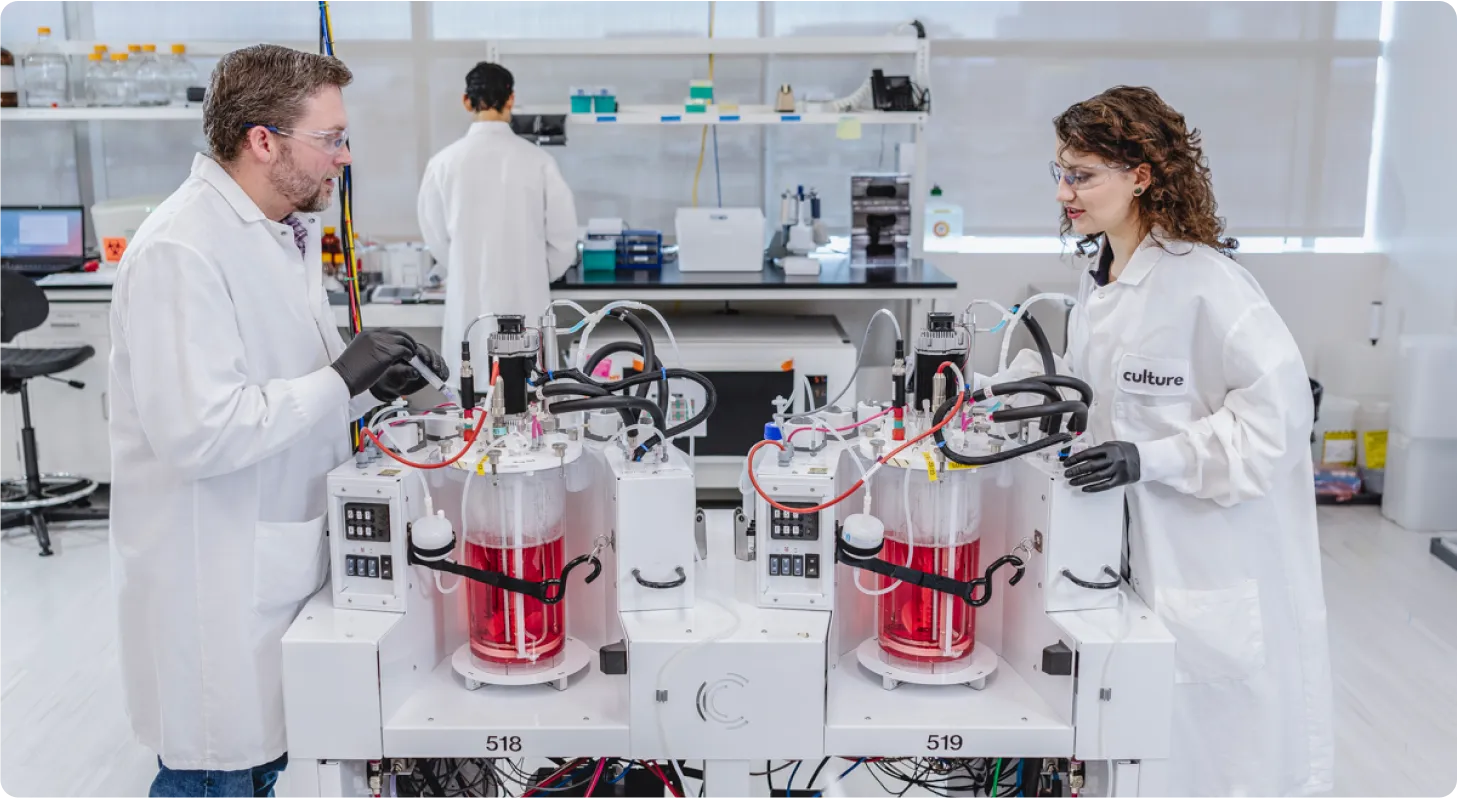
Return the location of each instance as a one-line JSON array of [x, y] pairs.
[[65, 324]]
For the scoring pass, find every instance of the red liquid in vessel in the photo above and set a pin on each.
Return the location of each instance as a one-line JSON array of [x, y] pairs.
[[509, 628], [920, 624]]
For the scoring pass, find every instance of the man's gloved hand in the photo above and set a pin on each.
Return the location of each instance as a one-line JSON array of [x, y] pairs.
[[370, 355], [1104, 466], [402, 379]]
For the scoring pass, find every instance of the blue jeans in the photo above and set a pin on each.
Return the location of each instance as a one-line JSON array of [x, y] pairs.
[[254, 782]]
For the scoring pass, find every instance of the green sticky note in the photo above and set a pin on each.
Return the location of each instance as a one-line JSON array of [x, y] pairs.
[[848, 129]]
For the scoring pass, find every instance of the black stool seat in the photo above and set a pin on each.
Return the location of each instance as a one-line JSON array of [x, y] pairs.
[[23, 364]]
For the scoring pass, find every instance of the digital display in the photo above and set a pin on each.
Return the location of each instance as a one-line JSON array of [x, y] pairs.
[[41, 233]]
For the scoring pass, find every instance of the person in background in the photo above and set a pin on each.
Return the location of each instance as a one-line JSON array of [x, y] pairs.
[[495, 211], [1202, 408], [231, 395]]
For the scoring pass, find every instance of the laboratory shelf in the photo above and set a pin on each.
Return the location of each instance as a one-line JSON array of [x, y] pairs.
[[743, 115], [781, 45], [162, 114]]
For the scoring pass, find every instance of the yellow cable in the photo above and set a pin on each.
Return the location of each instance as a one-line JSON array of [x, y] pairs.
[[703, 139]]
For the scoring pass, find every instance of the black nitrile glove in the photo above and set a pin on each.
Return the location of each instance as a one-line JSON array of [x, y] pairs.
[[402, 379], [370, 355], [1104, 466]]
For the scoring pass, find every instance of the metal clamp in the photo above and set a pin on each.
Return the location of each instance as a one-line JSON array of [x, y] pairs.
[[1109, 585], [679, 582]]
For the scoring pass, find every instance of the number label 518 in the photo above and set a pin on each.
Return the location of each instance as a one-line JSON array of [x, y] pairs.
[[503, 743], [943, 742]]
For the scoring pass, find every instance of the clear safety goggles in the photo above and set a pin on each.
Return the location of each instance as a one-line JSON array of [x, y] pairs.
[[330, 141], [1079, 178]]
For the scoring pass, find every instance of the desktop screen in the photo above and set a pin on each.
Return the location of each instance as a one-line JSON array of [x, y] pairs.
[[41, 233]]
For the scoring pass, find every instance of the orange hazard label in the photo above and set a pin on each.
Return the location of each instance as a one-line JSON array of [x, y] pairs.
[[113, 248]]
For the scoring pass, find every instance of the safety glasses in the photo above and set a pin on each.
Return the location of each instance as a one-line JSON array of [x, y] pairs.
[[1080, 178], [330, 141]]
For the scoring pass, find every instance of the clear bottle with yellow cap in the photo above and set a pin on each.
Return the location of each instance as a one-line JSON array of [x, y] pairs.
[[45, 73], [97, 73], [152, 83], [180, 74], [120, 88]]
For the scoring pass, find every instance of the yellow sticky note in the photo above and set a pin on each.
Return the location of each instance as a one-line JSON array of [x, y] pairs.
[[848, 129]]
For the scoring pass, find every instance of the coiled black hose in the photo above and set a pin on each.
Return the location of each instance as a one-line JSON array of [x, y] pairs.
[[1049, 363], [1078, 409]]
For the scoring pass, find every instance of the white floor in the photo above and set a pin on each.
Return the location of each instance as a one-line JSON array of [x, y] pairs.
[[1393, 630]]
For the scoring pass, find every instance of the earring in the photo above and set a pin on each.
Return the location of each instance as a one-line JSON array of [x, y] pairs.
[[1138, 192]]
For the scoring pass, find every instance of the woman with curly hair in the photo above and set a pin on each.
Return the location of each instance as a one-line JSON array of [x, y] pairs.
[[1202, 407]]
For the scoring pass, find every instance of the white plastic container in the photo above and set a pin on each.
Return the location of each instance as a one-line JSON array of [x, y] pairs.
[[943, 218], [1335, 433], [1425, 385], [119, 219], [45, 73], [1420, 473]]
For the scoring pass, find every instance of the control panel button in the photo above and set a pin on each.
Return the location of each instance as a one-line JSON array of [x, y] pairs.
[[811, 566], [798, 565]]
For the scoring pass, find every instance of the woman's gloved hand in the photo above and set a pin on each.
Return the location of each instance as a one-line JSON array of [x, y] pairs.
[[1102, 467], [402, 379], [370, 355]]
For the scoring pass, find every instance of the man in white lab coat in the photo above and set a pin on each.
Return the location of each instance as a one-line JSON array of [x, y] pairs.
[[496, 212], [231, 392]]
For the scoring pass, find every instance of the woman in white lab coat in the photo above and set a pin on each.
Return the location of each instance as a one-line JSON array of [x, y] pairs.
[[1202, 407]]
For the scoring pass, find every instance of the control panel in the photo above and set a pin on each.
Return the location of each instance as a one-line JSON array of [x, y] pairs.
[[367, 521], [370, 508], [795, 551]]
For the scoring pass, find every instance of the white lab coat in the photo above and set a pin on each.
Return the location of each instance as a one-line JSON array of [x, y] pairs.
[[225, 419], [1187, 359], [496, 212]]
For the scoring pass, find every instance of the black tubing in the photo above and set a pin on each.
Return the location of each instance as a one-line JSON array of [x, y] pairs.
[[1085, 392], [603, 353], [631, 403], [999, 457], [1049, 364], [649, 355], [710, 395], [1030, 385], [1053, 411], [584, 389]]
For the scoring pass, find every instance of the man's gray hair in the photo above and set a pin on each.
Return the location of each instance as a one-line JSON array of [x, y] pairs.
[[263, 85]]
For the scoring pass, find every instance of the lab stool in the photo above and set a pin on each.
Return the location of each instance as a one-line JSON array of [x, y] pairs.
[[37, 499]]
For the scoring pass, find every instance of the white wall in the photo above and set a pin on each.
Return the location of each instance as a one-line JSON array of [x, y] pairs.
[[1413, 209]]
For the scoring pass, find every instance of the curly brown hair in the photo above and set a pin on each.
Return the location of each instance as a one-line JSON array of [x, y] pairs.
[[1132, 125]]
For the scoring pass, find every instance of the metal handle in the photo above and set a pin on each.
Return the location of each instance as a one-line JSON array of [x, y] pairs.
[[1109, 585], [105, 406], [66, 324], [679, 582]]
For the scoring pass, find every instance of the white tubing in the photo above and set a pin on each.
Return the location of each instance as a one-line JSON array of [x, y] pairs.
[[975, 303], [1016, 317]]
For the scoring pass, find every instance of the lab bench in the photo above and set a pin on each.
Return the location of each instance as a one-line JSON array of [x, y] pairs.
[[71, 425]]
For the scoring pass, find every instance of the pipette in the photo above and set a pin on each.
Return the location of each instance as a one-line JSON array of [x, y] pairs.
[[434, 380]]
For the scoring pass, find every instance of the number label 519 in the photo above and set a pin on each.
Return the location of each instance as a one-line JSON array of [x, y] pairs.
[[943, 742], [503, 743]]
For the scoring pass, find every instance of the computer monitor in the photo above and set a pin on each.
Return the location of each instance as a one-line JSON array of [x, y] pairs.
[[43, 238]]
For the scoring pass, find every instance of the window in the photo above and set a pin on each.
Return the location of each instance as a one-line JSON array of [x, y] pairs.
[[1283, 92]]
